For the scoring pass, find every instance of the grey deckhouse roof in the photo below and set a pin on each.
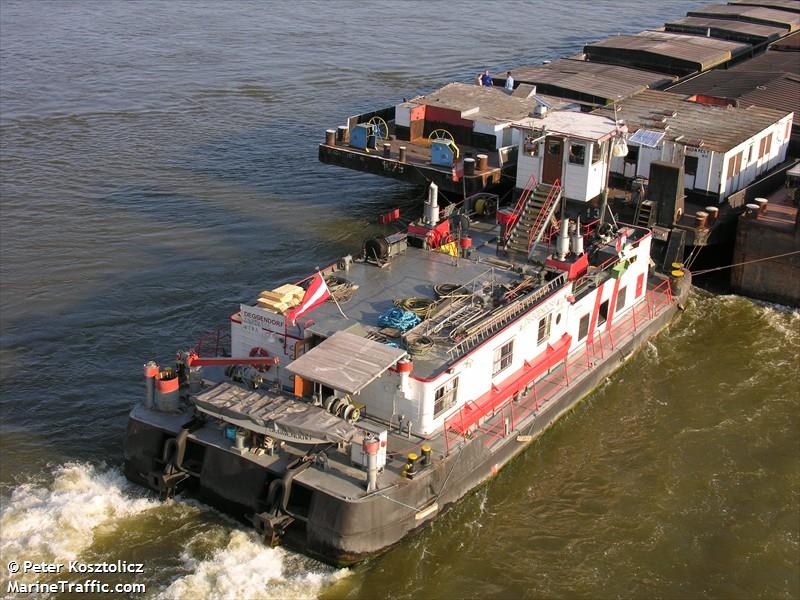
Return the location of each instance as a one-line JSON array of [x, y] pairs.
[[478, 103], [753, 14], [664, 51], [719, 128], [598, 82], [730, 29]]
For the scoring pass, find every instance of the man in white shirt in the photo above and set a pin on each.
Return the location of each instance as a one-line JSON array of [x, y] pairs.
[[509, 83]]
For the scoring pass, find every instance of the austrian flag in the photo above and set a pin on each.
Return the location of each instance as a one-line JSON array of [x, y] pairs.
[[315, 295]]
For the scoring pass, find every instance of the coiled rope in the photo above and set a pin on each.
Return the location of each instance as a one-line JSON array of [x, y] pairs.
[[418, 305], [418, 345], [448, 290]]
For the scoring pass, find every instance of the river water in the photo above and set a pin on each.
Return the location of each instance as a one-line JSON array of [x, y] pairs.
[[159, 166]]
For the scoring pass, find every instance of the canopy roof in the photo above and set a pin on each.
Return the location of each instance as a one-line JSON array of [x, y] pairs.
[[346, 362]]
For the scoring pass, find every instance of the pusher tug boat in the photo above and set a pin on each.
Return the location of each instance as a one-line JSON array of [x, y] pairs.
[[343, 413]]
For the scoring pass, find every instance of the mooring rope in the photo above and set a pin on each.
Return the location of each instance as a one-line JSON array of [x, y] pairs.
[[747, 262]]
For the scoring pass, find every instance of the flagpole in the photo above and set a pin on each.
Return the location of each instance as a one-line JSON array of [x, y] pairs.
[[341, 312]]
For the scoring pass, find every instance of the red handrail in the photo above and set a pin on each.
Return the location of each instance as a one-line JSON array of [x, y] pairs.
[[519, 207], [539, 221], [526, 393]]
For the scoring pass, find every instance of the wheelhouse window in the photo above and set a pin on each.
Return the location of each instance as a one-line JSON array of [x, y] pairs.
[[445, 396], [531, 145], [633, 155], [597, 152], [502, 357], [544, 329], [577, 154]]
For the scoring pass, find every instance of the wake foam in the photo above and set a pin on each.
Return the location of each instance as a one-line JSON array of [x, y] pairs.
[[245, 568], [43, 522]]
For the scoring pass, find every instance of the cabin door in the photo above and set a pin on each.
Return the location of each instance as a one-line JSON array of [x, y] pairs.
[[553, 159]]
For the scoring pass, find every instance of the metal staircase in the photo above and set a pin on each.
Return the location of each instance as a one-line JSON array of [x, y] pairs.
[[532, 223]]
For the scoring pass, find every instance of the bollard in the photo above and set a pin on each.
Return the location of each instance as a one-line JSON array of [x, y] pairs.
[[713, 213], [700, 218], [342, 134], [762, 205], [330, 137], [469, 166], [402, 154], [387, 150], [483, 162]]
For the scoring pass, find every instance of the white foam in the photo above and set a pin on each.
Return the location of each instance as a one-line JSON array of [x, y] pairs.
[[44, 522], [245, 568]]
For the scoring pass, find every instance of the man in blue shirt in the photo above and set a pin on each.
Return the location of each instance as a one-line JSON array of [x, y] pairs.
[[486, 79]]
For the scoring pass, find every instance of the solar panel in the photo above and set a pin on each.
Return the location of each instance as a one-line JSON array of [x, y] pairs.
[[647, 137]]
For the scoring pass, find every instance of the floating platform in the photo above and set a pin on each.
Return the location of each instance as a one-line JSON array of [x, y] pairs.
[[416, 168]]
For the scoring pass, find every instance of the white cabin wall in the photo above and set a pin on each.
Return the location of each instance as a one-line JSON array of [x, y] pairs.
[[574, 313], [598, 172], [646, 157], [576, 177], [490, 129], [705, 179], [402, 115], [628, 280], [527, 165], [475, 371], [244, 339]]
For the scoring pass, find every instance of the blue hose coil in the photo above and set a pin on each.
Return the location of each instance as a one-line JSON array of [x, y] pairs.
[[399, 319]]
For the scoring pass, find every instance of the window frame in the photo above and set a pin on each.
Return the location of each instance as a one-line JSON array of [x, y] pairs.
[[503, 357], [543, 333], [580, 158], [448, 397]]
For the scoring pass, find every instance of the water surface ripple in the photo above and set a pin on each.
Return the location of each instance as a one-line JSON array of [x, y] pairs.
[[158, 166]]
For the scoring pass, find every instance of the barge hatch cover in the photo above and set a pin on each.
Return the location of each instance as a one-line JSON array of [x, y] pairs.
[[276, 416], [346, 362]]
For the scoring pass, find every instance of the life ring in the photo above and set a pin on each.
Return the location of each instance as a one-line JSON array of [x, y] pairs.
[[259, 351]]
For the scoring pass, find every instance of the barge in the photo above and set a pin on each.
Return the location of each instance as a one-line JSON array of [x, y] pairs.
[[341, 413]]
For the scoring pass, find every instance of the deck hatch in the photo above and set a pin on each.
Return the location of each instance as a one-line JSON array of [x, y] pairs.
[[276, 416], [346, 362]]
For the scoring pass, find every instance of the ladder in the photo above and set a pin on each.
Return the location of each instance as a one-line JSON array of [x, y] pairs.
[[500, 318], [644, 212]]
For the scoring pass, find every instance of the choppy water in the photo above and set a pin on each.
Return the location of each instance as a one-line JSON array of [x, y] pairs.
[[158, 166]]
